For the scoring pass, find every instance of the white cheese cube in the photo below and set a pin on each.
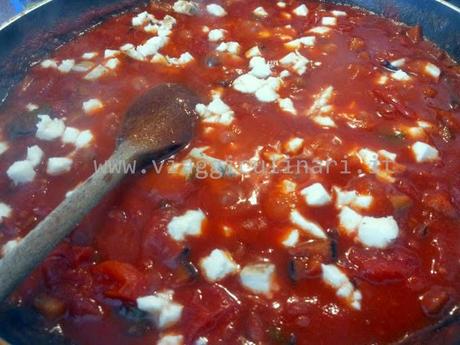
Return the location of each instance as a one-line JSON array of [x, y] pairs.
[[362, 201], [349, 220], [188, 8], [316, 195], [230, 47], [171, 339], [216, 10], [31, 107], [89, 55], [260, 12], [216, 35], [5, 211], [110, 53], [324, 121], [48, 63], [258, 278], [400, 75], [320, 30], [70, 135], [267, 94], [344, 198], [390, 156], [247, 83], [112, 63], [92, 106], [259, 67], [254, 51], [96, 73], [398, 63], [21, 172], [301, 11], [84, 138], [307, 41], [378, 232], [66, 66], [337, 13], [49, 129], [161, 307], [287, 105], [287, 186], [338, 280], [3, 147], [188, 224], [424, 152], [370, 159], [296, 61], [294, 145], [34, 155], [58, 165], [291, 239], [432, 70], [218, 265], [281, 4], [216, 112], [304, 224], [329, 21]]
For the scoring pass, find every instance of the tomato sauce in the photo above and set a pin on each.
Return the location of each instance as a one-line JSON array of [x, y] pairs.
[[122, 250]]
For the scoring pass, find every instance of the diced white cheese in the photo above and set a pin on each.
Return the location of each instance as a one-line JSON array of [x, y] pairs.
[[93, 105], [321, 102], [34, 155], [66, 66], [432, 70], [201, 341], [3, 147], [398, 63], [142, 19], [21, 172], [291, 239], [281, 4], [259, 67], [324, 121], [229, 47], [216, 112], [337, 13], [112, 63], [260, 12], [89, 55], [424, 152], [188, 224], [9, 246], [31, 107], [150, 47], [188, 8], [301, 11], [216, 35], [182, 60], [307, 41], [362, 201], [70, 135], [218, 265], [287, 105], [294, 145], [296, 61], [96, 73], [254, 51], [162, 308], [316, 195], [287, 186], [110, 53], [222, 167], [400, 75], [378, 232], [84, 138], [171, 339], [338, 280], [258, 278], [216, 10], [48, 128], [58, 165], [247, 83], [320, 30], [267, 93], [49, 63], [5, 211], [311, 228], [344, 198], [329, 21], [349, 220], [388, 155], [83, 66], [369, 158]]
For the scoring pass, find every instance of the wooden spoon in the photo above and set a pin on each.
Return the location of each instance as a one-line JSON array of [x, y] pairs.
[[158, 124]]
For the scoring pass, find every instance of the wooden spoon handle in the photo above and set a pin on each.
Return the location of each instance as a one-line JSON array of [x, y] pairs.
[[39, 242]]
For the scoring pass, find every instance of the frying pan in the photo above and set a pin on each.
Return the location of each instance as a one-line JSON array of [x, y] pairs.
[[30, 36]]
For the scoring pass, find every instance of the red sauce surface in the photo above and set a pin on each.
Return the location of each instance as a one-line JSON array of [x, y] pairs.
[[122, 250]]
